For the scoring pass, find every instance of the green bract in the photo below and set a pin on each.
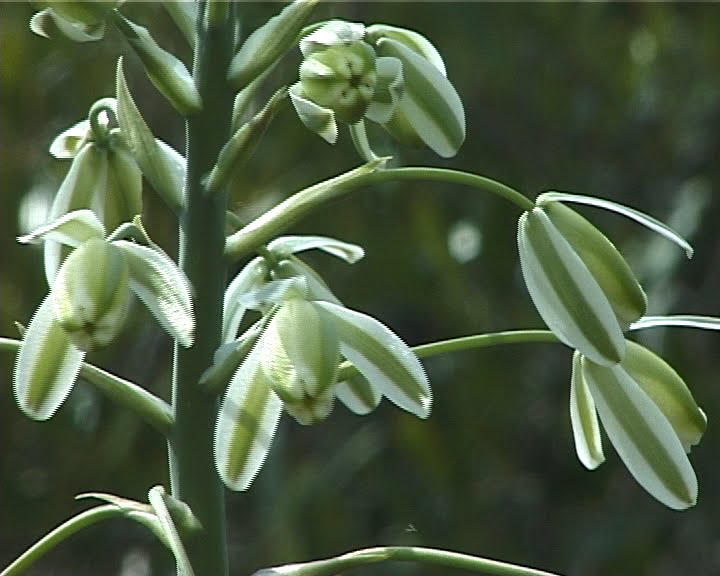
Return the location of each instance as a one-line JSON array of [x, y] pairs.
[[649, 415], [580, 284], [87, 306], [296, 357]]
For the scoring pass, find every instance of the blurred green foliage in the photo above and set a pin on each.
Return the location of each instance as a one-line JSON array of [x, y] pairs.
[[614, 100]]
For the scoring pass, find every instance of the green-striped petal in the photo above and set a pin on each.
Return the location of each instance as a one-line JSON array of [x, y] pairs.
[[46, 367], [605, 263], [564, 292], [382, 358], [72, 229], [413, 40], [430, 103], [316, 118], [163, 288], [317, 289], [246, 424], [642, 435], [357, 394], [584, 420], [284, 246], [669, 392]]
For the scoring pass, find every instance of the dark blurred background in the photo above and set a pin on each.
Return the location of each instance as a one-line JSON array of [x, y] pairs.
[[615, 100]]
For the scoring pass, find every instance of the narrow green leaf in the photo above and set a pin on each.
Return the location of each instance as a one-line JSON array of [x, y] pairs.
[[46, 367], [246, 425], [382, 358], [168, 73], [583, 416], [163, 167], [669, 392], [430, 103], [640, 217], [163, 288], [268, 43], [284, 246], [564, 292], [642, 435]]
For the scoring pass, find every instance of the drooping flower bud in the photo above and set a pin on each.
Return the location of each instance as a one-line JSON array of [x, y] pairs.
[[91, 294]]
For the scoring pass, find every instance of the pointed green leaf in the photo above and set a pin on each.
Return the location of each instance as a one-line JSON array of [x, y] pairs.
[[46, 367], [284, 246], [669, 392], [316, 118], [640, 217], [184, 14], [246, 424], [564, 292], [251, 277], [382, 358], [604, 262], [583, 416], [163, 288], [264, 47], [642, 435], [413, 40], [357, 394], [72, 229], [169, 75], [430, 103], [163, 167]]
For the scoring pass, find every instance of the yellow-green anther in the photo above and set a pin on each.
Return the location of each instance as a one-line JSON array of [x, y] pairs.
[[91, 294], [341, 78], [264, 47], [169, 75], [605, 263]]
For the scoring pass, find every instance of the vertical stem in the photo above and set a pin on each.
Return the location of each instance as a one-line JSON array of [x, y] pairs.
[[202, 239]]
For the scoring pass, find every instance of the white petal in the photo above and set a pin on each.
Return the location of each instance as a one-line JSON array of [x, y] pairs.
[[640, 217], [316, 118], [247, 422], [642, 436], [357, 394], [316, 287], [583, 416], [286, 245], [163, 288], [47, 365], [72, 229], [411, 39], [252, 276], [682, 321], [68, 143], [333, 33], [564, 292], [382, 358]]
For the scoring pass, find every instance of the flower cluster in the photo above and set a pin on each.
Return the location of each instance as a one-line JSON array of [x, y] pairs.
[[588, 296], [295, 360]]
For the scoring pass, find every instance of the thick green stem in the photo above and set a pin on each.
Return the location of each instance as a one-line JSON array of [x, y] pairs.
[[193, 476], [282, 216], [360, 558]]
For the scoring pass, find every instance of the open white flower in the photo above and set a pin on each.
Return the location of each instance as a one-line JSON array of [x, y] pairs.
[[87, 306], [649, 415]]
